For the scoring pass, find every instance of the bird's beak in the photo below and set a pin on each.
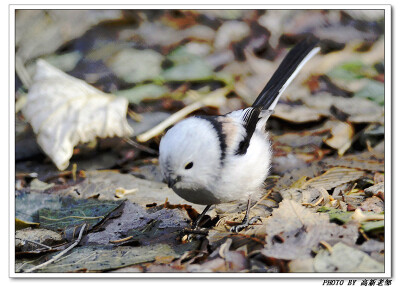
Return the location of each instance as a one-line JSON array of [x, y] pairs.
[[171, 181]]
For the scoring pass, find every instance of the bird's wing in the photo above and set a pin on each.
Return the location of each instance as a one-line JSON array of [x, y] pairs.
[[269, 96], [250, 118]]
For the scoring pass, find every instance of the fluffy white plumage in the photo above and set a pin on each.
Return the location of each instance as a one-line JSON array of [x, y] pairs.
[[211, 160], [213, 180]]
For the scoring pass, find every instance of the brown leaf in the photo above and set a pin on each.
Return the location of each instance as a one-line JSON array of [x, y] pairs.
[[162, 259], [374, 204], [334, 177], [344, 258], [307, 195], [379, 177], [375, 249], [291, 176], [25, 239], [377, 190], [364, 161], [297, 114], [293, 232], [359, 110]]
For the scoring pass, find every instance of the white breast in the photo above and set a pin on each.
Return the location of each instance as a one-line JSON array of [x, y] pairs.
[[242, 175]]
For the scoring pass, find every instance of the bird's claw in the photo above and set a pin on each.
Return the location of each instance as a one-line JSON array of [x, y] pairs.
[[245, 224]]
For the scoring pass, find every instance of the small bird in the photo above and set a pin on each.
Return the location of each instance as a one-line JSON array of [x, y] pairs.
[[218, 159]]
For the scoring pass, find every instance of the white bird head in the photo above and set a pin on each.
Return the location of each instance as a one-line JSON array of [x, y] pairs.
[[190, 158]]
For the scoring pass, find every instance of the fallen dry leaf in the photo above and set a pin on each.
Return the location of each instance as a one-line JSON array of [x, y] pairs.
[[25, 239], [297, 114], [377, 190], [104, 185], [342, 135], [343, 258], [359, 110], [374, 204], [293, 232], [65, 111], [307, 195], [364, 161], [334, 177]]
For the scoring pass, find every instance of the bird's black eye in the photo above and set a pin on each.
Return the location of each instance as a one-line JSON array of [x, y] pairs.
[[189, 165]]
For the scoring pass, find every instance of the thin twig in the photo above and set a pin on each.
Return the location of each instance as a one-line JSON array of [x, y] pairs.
[[121, 240], [34, 242], [363, 234], [74, 170], [135, 116], [327, 246], [314, 204], [262, 198], [61, 253], [20, 103], [140, 147], [72, 216]]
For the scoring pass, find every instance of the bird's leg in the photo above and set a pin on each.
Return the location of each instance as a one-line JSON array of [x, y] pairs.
[[198, 219], [246, 221]]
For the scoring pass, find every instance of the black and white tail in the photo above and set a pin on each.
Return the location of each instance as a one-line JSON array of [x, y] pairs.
[[280, 80], [286, 72]]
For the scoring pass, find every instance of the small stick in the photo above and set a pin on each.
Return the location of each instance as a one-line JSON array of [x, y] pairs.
[[314, 204], [262, 198], [59, 254], [363, 234], [74, 169], [327, 246], [34, 242], [140, 147], [121, 240], [135, 116]]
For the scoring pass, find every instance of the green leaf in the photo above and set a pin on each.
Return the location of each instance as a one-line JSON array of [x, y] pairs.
[[27, 205], [181, 55], [196, 70], [351, 71], [187, 67], [135, 66], [348, 71], [74, 212], [20, 224], [374, 91], [102, 258], [142, 92], [36, 184], [345, 216], [336, 214], [373, 226], [65, 62]]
